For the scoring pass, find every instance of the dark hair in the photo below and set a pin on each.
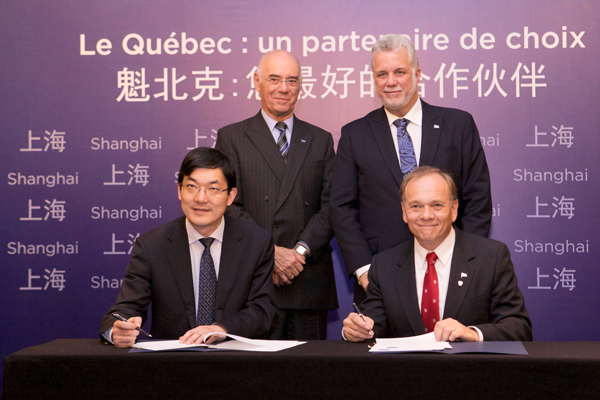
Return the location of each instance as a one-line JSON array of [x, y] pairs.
[[206, 157], [427, 170]]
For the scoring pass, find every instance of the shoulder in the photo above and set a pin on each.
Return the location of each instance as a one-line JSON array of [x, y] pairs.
[[358, 124], [313, 129], [171, 229], [479, 245], [247, 229], [428, 109], [240, 125]]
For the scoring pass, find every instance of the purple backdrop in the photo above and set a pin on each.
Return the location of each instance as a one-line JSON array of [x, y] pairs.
[[100, 102]]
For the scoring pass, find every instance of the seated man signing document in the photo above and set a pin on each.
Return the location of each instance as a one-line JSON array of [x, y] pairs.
[[460, 286], [200, 273]]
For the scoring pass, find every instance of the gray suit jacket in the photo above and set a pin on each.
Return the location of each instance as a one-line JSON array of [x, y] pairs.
[[488, 297], [291, 201], [160, 274]]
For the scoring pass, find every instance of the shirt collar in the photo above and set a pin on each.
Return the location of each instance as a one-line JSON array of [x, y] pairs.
[[193, 234], [415, 115], [444, 251], [271, 122]]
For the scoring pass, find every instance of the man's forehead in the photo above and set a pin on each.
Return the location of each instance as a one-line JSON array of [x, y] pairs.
[[214, 174]]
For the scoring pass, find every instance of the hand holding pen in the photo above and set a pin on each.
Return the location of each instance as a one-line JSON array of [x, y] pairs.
[[120, 318], [358, 328]]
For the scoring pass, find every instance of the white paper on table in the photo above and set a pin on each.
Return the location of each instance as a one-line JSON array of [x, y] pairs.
[[424, 342], [238, 343]]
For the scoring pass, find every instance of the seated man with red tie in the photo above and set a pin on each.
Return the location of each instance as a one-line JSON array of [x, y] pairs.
[[200, 273], [460, 286]]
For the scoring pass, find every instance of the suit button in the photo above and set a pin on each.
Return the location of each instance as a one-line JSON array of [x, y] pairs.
[[306, 203], [266, 198], [275, 227]]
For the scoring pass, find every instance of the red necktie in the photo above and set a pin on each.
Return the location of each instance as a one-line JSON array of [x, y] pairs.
[[430, 308]]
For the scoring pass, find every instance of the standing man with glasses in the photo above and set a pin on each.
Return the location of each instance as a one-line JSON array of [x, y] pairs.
[[376, 152], [283, 167], [200, 273]]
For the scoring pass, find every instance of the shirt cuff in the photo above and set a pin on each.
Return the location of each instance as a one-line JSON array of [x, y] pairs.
[[479, 332], [362, 270]]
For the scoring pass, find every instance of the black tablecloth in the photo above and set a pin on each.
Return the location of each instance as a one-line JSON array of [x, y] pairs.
[[84, 368]]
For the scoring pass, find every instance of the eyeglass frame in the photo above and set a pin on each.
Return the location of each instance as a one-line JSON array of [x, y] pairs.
[[206, 191], [279, 81]]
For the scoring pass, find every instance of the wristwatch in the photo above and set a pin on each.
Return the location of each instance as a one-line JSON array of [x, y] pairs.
[[303, 251]]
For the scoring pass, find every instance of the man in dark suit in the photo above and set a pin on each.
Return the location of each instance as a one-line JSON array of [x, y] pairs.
[[202, 272], [457, 285], [283, 168], [376, 151]]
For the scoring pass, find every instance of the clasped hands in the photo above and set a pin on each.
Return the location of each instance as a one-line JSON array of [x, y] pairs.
[[288, 265]]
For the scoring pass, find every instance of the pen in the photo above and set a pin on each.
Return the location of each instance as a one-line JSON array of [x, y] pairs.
[[358, 312], [117, 316]]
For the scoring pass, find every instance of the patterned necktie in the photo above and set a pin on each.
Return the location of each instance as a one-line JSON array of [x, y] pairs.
[[207, 286], [430, 307], [408, 161], [282, 142]]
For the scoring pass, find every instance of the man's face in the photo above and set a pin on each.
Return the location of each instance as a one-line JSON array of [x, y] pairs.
[[278, 101], [202, 210], [428, 210], [395, 80]]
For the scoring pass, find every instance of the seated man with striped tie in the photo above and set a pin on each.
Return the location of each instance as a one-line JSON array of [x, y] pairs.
[[460, 286], [200, 273]]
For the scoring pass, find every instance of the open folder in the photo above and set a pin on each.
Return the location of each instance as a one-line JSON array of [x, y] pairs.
[[237, 343]]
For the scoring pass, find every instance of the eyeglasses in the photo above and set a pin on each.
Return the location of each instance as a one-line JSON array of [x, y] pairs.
[[292, 83], [211, 191]]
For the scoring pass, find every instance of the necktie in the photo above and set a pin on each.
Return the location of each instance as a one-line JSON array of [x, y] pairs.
[[430, 308], [207, 286], [408, 161], [282, 140]]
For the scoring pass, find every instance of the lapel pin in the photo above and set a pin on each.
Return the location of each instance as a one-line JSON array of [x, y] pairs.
[[303, 141], [460, 283], [463, 275], [436, 126]]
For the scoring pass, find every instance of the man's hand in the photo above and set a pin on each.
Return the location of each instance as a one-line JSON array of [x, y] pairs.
[[124, 333], [450, 330], [364, 280], [357, 330], [196, 335], [288, 264]]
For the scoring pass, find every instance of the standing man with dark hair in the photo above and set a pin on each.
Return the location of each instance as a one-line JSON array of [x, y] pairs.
[[200, 273], [283, 167], [376, 152]]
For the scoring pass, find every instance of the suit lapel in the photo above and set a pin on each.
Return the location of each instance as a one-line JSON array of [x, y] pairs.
[[431, 130], [383, 138], [178, 253], [263, 140], [461, 271], [301, 142], [407, 289], [231, 259]]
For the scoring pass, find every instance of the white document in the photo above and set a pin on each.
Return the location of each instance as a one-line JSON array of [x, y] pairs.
[[238, 343], [424, 342]]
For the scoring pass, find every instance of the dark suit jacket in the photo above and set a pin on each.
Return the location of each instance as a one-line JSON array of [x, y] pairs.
[[489, 297], [366, 214], [291, 201], [160, 274]]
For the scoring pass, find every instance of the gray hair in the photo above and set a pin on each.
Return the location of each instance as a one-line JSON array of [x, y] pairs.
[[394, 42]]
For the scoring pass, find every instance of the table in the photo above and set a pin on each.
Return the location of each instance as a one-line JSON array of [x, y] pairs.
[[84, 368]]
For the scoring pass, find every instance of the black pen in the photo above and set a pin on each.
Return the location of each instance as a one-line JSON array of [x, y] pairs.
[[117, 316]]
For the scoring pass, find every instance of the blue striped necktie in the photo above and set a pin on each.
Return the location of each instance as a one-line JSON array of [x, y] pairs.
[[282, 142]]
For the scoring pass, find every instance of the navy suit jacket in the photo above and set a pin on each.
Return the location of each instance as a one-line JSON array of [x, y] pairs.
[[160, 274], [366, 213], [488, 297], [289, 200]]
